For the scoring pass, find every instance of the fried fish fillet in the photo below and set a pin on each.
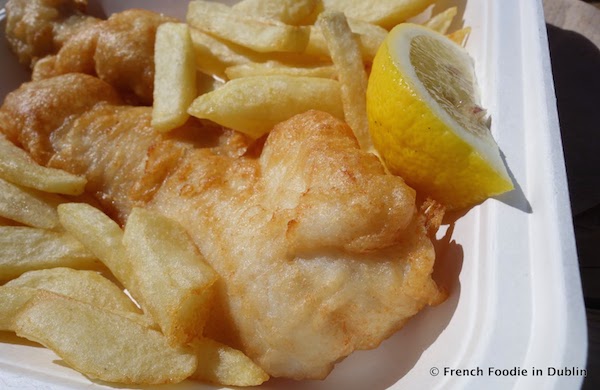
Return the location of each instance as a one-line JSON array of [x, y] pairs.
[[319, 251], [56, 37], [38, 28]]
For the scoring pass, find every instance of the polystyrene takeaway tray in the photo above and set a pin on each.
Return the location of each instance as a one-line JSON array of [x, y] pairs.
[[516, 301]]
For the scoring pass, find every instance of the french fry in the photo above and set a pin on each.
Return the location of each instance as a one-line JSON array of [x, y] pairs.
[[18, 167], [293, 12], [369, 36], [253, 105], [258, 34], [351, 73], [213, 55], [85, 286], [98, 233], [170, 278], [102, 344], [218, 363], [386, 13], [28, 206], [12, 299], [442, 21], [277, 68], [460, 36], [24, 249], [174, 76], [154, 259]]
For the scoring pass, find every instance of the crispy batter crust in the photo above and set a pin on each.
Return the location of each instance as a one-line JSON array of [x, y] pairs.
[[320, 252]]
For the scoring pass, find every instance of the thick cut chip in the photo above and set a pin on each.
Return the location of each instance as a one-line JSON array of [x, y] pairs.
[[346, 57], [387, 13], [28, 206], [174, 76], [442, 21], [24, 249], [85, 286], [218, 363], [369, 37], [18, 167], [277, 68], [213, 55], [101, 344], [155, 260], [12, 299], [253, 105], [460, 36], [259, 34], [98, 233], [169, 278], [292, 12]]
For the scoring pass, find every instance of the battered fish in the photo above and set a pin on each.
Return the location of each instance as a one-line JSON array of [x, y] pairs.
[[38, 28], [55, 37], [319, 252]]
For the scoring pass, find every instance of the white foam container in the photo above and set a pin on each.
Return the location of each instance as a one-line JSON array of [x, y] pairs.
[[516, 301]]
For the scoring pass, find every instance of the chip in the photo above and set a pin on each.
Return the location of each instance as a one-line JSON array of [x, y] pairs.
[[18, 167], [277, 68], [28, 206], [102, 344], [168, 275], [98, 233], [460, 36], [174, 76], [294, 12], [218, 363], [253, 105], [351, 73], [12, 299], [82, 285], [258, 34], [25, 249], [213, 55], [155, 260], [442, 21], [386, 13], [369, 37]]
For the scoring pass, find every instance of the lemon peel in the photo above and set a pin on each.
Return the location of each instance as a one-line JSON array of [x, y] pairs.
[[426, 122]]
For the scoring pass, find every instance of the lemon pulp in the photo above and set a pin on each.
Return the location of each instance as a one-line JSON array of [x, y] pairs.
[[426, 122]]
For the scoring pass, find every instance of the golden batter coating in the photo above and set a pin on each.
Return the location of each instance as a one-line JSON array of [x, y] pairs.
[[55, 37], [319, 251]]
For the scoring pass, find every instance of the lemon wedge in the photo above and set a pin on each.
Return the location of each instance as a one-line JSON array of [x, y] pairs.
[[426, 122]]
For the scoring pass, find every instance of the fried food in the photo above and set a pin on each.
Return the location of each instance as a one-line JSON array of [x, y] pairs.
[[56, 37], [24, 248], [155, 260], [345, 53], [319, 252], [38, 28], [102, 344], [253, 105], [259, 34], [28, 118], [19, 168], [175, 81]]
